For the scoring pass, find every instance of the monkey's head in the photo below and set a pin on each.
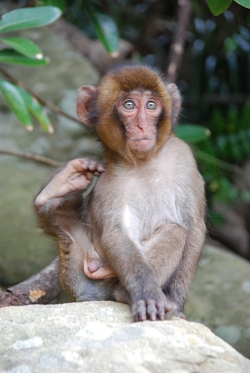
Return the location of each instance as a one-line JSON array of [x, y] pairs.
[[132, 110]]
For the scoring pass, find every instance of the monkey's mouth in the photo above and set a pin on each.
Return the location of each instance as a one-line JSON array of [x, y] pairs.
[[142, 144]]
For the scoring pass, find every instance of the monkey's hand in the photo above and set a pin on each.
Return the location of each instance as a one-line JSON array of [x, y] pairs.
[[75, 176], [153, 307]]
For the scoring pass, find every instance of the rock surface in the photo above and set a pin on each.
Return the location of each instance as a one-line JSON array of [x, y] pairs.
[[220, 297], [100, 337]]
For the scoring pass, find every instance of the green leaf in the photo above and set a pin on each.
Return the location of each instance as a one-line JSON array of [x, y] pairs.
[[25, 18], [57, 3], [218, 6], [192, 133], [36, 109], [24, 46], [105, 28], [16, 103], [245, 3], [13, 57]]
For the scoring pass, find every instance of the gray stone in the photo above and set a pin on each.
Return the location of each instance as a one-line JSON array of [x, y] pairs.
[[95, 337], [219, 297]]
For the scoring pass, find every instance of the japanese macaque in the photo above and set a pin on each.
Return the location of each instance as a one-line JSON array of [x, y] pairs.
[[137, 236]]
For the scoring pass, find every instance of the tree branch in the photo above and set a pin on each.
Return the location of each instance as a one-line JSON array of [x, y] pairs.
[[38, 289], [37, 158], [43, 102], [177, 48]]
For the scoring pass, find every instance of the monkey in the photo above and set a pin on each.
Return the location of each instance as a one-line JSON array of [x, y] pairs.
[[137, 236]]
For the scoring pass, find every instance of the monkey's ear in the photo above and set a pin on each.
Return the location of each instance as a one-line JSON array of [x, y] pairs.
[[84, 100], [176, 101]]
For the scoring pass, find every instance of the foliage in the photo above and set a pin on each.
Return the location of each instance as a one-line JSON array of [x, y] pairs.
[[192, 133], [25, 52], [105, 27], [219, 84], [220, 155], [217, 7]]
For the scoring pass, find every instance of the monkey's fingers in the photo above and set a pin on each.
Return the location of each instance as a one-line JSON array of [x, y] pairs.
[[139, 310], [85, 164], [92, 165], [153, 310]]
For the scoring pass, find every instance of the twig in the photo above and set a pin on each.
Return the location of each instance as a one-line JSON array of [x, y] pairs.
[[38, 289], [43, 102], [177, 48], [37, 158]]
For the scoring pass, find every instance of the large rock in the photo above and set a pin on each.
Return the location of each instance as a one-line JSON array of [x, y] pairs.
[[23, 248], [220, 297], [97, 337]]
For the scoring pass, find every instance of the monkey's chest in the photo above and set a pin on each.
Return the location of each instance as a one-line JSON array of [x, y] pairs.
[[139, 205]]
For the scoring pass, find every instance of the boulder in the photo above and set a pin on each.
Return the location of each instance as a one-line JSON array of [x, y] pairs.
[[97, 337], [220, 297]]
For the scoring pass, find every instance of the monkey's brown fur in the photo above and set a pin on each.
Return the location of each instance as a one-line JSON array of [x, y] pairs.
[[137, 237]]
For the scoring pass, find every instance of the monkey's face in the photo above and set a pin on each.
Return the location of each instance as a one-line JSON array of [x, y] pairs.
[[132, 110], [139, 113]]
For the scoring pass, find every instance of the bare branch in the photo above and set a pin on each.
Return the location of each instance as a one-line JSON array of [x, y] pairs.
[[177, 48], [38, 289], [37, 158]]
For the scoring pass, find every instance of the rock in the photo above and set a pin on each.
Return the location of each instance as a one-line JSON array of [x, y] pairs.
[[233, 232], [100, 337], [220, 297], [24, 249]]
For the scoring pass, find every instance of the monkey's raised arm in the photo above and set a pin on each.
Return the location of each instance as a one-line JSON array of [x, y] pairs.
[[62, 195]]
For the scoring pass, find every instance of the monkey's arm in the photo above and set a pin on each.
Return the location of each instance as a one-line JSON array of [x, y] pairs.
[[58, 204], [74, 177]]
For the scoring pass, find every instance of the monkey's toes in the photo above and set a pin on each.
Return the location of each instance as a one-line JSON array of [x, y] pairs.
[[139, 311], [149, 310]]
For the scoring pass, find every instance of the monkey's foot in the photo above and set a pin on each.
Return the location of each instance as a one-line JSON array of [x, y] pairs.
[[97, 269], [153, 310]]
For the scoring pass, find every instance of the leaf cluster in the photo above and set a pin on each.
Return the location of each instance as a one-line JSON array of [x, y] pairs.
[[25, 52]]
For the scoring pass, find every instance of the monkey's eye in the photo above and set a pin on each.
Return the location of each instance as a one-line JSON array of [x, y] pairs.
[[151, 105], [129, 105]]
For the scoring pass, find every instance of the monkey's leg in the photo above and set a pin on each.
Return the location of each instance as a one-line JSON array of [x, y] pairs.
[[163, 250], [177, 286], [74, 281], [74, 249]]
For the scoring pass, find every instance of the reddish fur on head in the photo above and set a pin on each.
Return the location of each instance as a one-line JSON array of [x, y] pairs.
[[98, 107]]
